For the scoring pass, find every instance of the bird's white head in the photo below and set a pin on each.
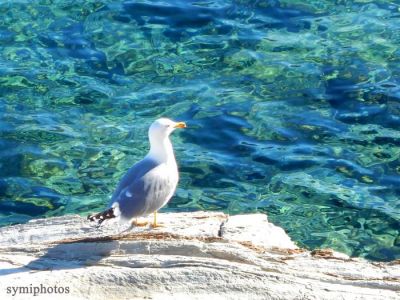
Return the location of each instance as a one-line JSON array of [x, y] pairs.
[[160, 145], [163, 127]]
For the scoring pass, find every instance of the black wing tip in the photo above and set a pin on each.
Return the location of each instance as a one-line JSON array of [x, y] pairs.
[[102, 216]]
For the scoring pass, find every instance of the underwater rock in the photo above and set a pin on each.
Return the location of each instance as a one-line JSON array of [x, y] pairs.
[[193, 255]]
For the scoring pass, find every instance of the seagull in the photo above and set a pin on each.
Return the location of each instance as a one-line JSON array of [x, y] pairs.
[[150, 183]]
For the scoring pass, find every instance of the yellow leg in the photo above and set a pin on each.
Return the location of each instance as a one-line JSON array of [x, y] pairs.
[[155, 224]]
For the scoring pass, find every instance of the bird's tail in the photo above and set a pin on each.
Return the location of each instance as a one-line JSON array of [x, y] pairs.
[[102, 216]]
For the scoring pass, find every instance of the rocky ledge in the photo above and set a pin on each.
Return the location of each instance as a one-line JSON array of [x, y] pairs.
[[192, 256]]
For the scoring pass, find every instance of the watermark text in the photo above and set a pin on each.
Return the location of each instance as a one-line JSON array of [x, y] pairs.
[[36, 290]]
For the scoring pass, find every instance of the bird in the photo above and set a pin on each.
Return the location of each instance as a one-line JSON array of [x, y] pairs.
[[150, 183]]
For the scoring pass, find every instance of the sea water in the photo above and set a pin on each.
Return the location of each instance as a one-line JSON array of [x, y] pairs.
[[292, 107]]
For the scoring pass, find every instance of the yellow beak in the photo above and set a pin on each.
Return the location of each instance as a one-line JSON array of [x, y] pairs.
[[180, 125]]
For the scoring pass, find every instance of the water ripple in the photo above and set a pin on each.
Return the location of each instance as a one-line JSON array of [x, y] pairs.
[[293, 110]]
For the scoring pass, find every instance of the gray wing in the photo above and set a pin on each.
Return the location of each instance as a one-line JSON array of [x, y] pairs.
[[136, 171], [143, 190]]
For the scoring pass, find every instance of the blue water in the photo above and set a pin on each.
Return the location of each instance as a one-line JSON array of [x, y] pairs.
[[293, 110]]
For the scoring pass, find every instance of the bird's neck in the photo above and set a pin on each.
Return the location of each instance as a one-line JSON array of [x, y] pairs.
[[161, 150]]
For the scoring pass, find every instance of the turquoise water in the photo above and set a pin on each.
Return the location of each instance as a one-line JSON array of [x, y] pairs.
[[293, 110]]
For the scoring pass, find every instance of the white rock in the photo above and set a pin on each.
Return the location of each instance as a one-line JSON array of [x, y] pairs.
[[257, 230], [202, 255]]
